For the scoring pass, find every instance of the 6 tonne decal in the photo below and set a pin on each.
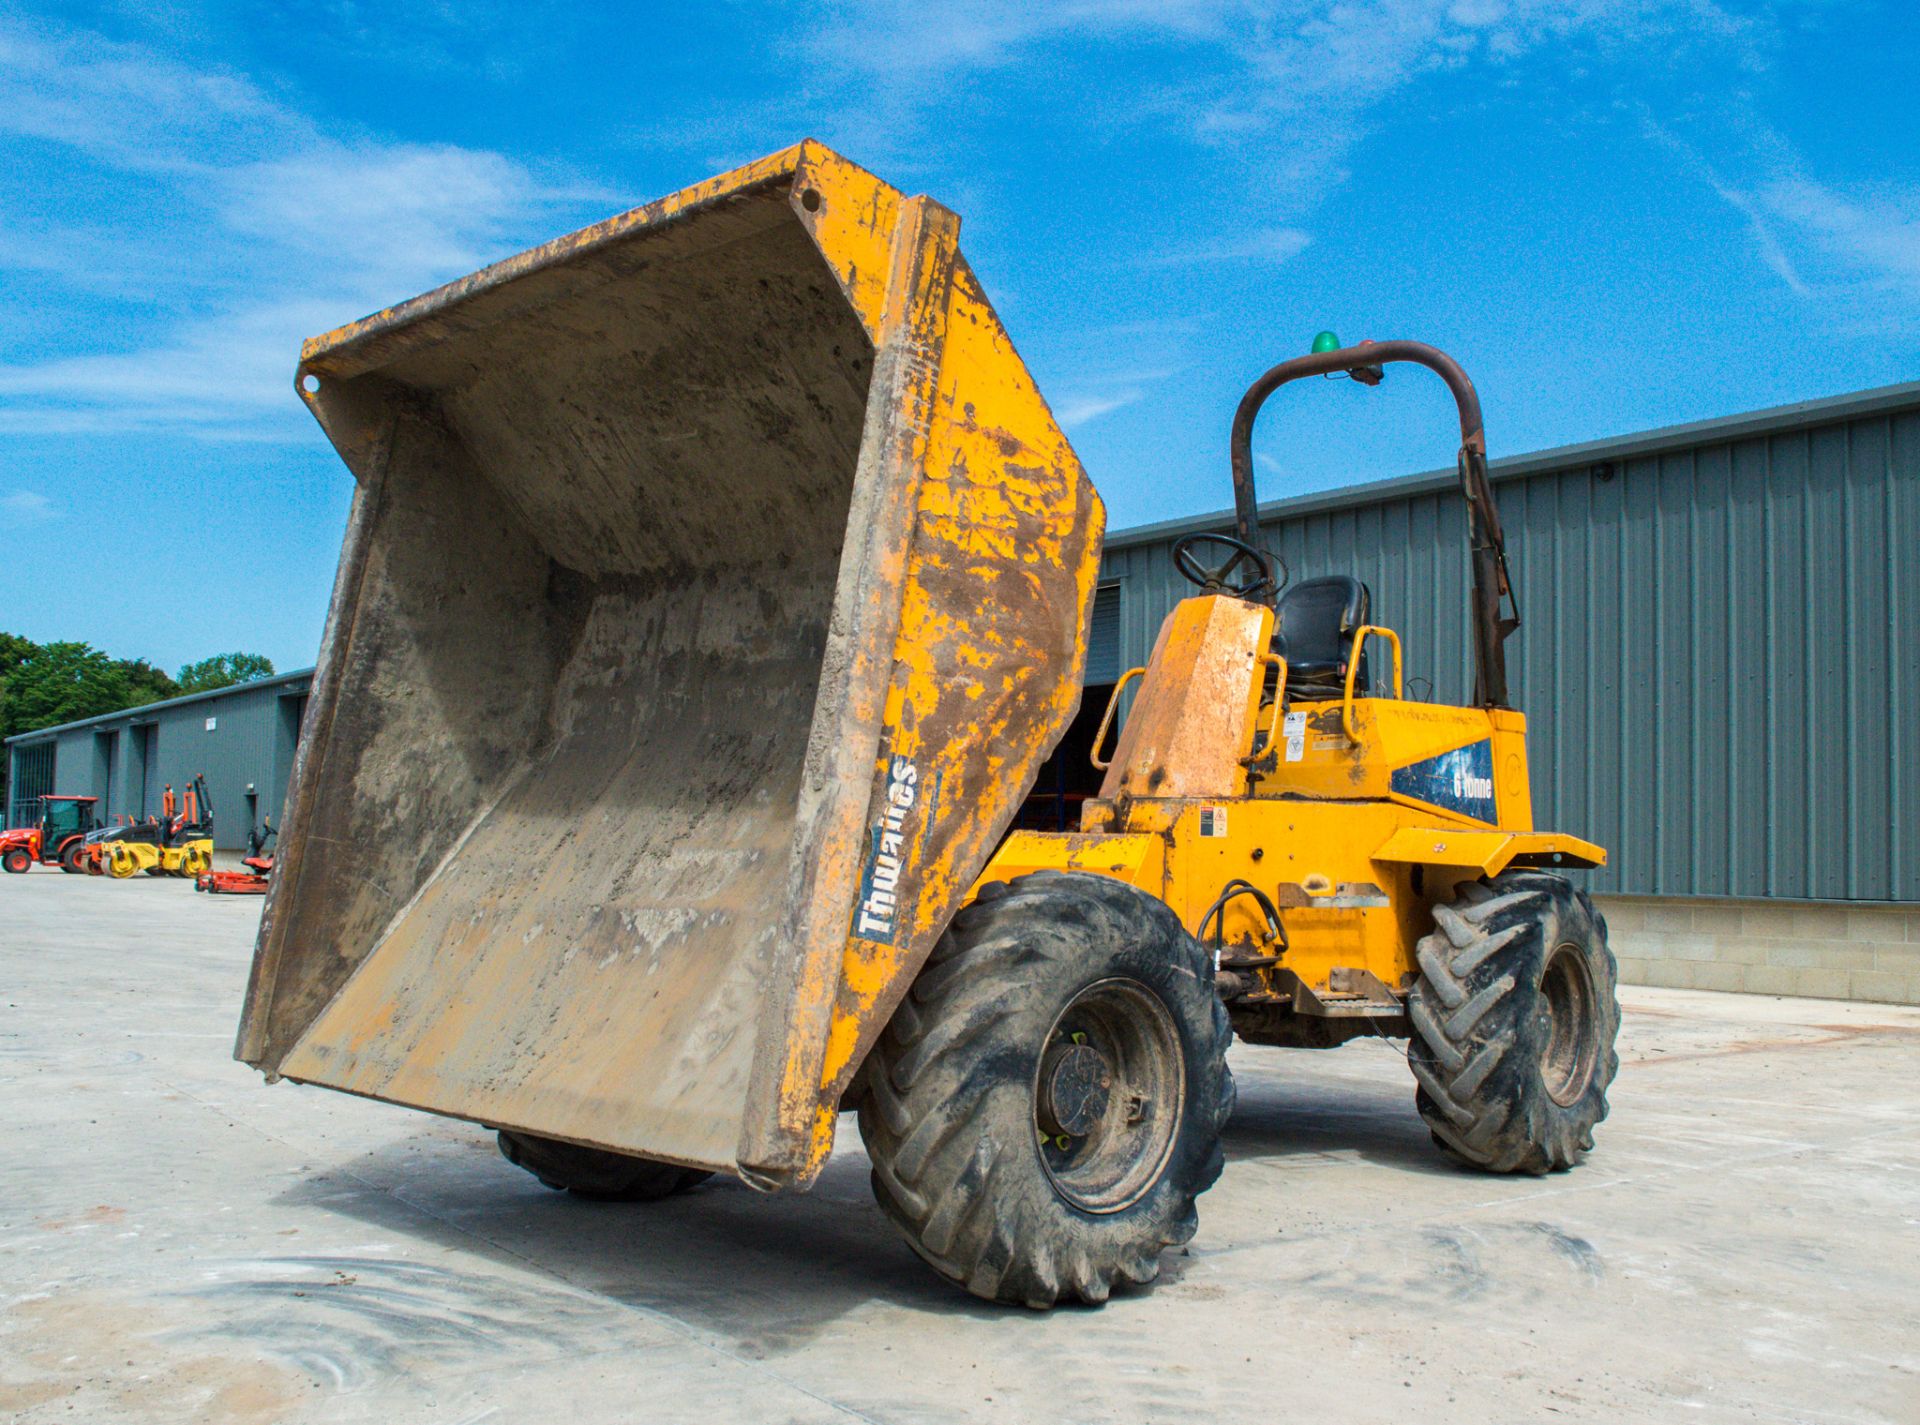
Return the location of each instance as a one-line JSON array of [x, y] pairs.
[[1460, 780], [879, 907]]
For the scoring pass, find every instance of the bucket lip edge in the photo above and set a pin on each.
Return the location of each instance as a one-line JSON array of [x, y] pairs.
[[323, 355]]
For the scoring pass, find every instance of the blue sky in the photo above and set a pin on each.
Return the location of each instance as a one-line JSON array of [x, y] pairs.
[[1617, 213]]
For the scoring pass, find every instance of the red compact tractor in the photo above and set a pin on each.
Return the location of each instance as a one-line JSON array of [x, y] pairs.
[[55, 840]]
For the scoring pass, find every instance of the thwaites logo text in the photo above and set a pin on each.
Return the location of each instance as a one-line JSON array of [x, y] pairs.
[[879, 907]]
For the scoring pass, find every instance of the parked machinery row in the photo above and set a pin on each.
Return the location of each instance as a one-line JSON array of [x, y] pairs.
[[70, 833]]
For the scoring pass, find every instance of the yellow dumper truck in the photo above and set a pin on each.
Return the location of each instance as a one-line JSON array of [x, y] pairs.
[[716, 583]]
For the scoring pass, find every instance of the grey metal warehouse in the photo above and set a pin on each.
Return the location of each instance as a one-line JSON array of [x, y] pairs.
[[241, 738], [1717, 655]]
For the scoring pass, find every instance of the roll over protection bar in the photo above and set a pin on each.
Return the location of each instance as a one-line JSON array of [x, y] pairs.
[[1496, 610]]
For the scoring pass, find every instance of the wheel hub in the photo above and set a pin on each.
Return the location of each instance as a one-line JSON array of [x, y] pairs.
[[1108, 1095], [1569, 1049], [1077, 1086]]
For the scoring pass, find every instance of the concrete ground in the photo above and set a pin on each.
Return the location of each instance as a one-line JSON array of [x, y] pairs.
[[181, 1242]]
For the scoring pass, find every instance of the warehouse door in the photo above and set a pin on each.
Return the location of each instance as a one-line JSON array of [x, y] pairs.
[[106, 750], [143, 771], [286, 743]]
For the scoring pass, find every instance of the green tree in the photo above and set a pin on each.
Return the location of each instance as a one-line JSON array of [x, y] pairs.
[[59, 682], [146, 683], [14, 650], [223, 670]]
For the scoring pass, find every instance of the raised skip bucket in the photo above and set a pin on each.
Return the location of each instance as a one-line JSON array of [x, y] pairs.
[[716, 582]]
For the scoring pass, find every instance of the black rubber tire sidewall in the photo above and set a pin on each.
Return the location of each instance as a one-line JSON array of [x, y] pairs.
[[1035, 944], [1506, 1120], [18, 863], [595, 1173]]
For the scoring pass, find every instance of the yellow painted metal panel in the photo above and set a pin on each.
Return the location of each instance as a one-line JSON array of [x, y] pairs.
[[1193, 717], [1487, 852]]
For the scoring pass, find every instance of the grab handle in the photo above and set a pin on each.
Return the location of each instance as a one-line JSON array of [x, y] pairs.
[[1106, 718], [1353, 666]]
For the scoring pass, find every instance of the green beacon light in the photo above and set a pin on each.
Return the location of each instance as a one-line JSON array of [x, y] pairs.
[[1326, 341]]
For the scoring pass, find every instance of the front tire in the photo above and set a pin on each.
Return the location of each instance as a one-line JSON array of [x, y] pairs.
[[17, 862], [595, 1173], [1046, 1103], [1514, 1023]]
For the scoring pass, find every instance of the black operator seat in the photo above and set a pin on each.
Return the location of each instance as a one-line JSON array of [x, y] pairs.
[[1313, 630]]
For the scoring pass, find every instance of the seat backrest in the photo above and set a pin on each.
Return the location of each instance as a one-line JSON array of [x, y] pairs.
[[1314, 625]]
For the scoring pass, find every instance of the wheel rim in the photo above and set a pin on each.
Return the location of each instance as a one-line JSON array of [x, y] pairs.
[[1109, 1095], [1569, 1046]]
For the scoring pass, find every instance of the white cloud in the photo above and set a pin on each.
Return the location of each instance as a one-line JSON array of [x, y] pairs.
[[128, 106], [1760, 225], [1872, 238], [267, 231], [1280, 91], [1313, 65], [1859, 251], [1266, 245], [385, 214], [1076, 409], [1087, 395], [27, 507]]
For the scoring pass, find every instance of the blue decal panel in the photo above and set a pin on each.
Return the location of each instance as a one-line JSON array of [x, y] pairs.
[[1460, 780]]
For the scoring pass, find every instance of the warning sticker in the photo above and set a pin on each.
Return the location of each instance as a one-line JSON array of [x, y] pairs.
[[1294, 729], [1213, 821]]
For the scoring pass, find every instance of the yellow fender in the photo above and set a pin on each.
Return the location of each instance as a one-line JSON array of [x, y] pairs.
[[1488, 852]]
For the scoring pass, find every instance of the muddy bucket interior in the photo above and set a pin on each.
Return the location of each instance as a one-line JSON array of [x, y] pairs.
[[637, 569]]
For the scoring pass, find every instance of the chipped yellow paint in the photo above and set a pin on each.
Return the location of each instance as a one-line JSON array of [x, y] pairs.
[[1005, 512], [852, 217], [1138, 858], [1193, 717]]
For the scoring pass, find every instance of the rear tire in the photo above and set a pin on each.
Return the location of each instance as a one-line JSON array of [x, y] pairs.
[[18, 863], [595, 1173], [1046, 1103], [1514, 1023], [70, 860]]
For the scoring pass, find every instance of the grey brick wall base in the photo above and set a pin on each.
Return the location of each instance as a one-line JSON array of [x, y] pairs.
[[1768, 947]]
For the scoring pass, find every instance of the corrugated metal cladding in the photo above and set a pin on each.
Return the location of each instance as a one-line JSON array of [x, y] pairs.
[[239, 738], [1720, 659], [1103, 639]]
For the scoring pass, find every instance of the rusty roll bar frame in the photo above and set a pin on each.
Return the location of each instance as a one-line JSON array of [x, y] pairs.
[[1496, 609]]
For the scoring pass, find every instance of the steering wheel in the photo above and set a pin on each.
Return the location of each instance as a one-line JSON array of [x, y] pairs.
[[1255, 582]]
